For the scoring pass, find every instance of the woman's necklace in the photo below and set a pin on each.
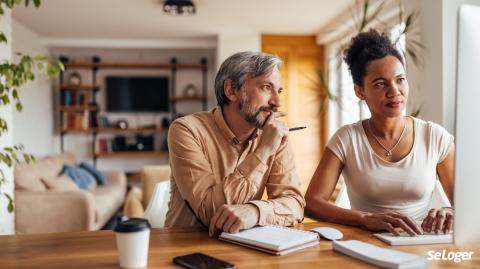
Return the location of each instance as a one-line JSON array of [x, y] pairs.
[[389, 151]]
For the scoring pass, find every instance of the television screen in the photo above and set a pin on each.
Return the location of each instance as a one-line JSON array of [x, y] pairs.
[[137, 94]]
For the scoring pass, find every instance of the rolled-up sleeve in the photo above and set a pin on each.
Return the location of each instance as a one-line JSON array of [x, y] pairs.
[[285, 204]]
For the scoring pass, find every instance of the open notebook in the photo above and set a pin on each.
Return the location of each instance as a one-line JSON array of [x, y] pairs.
[[273, 239]]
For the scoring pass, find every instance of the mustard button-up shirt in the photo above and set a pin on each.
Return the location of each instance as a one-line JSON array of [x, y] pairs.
[[210, 168]]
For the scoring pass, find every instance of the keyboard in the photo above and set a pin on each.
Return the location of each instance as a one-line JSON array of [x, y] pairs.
[[424, 239]]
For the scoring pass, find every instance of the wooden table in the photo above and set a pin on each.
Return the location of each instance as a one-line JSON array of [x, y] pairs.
[[98, 250]]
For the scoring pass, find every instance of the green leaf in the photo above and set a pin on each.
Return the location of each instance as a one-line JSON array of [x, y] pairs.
[[5, 99], [9, 3], [40, 58], [36, 3], [3, 126], [10, 206], [19, 107], [3, 38]]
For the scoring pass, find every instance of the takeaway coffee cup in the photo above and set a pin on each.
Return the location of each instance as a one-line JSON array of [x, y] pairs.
[[132, 242]]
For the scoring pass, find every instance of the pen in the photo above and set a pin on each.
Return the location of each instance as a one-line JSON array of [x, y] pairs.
[[296, 128]]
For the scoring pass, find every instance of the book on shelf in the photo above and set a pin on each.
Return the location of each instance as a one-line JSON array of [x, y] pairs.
[[103, 145], [78, 120], [272, 239], [74, 98]]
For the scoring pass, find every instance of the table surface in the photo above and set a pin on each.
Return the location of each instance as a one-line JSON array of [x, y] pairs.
[[97, 249]]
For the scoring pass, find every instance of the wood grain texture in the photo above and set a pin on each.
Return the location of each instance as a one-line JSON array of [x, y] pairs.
[[302, 58], [97, 249]]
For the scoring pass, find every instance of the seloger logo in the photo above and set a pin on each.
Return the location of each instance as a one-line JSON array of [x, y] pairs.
[[449, 256]]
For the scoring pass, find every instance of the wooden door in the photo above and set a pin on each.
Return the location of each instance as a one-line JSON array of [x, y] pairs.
[[300, 98]]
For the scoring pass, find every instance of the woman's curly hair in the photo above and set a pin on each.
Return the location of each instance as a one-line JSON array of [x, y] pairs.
[[366, 47]]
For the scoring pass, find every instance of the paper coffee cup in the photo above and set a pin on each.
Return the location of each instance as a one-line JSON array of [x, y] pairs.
[[132, 242]]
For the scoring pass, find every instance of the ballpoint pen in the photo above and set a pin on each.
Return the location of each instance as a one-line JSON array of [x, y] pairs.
[[296, 128]]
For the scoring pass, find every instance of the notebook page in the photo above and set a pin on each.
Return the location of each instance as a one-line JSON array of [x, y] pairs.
[[272, 237]]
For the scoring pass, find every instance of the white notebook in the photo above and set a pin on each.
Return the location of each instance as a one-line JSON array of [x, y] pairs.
[[404, 239], [383, 257], [273, 239]]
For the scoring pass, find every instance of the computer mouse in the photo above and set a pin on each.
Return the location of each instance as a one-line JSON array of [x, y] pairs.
[[328, 233]]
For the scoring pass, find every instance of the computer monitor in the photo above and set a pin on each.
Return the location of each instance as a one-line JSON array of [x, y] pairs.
[[467, 128]]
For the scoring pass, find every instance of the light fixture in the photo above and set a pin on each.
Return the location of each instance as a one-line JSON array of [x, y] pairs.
[[179, 7]]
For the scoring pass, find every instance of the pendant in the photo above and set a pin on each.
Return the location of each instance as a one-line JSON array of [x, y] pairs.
[[389, 153]]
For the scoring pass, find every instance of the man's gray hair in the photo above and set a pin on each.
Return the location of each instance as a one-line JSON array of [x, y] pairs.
[[238, 66]]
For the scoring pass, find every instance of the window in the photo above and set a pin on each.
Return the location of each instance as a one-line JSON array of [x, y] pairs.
[[347, 108]]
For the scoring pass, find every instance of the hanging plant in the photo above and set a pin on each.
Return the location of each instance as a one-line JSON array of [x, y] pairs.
[[12, 77]]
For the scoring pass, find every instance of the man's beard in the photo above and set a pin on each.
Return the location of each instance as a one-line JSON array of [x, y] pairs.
[[251, 115]]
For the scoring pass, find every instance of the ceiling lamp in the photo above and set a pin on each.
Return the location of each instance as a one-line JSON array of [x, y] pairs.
[[179, 7]]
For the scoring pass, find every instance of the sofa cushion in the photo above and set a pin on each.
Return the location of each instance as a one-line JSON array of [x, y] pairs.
[[60, 183], [80, 176], [99, 176], [29, 176]]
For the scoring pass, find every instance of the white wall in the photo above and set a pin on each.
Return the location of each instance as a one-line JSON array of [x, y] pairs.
[[81, 143], [449, 55], [34, 125], [231, 43], [438, 77], [6, 219]]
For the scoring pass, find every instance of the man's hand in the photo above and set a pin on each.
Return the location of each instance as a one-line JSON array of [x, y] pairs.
[[390, 221], [438, 219], [274, 133], [233, 218]]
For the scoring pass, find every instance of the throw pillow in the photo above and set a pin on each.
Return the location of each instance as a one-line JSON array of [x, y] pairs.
[[61, 183], [99, 177], [80, 176]]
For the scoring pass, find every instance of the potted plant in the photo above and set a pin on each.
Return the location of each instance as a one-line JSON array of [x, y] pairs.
[[12, 77], [364, 14]]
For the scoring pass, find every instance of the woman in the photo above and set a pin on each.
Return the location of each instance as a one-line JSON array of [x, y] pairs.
[[389, 161]]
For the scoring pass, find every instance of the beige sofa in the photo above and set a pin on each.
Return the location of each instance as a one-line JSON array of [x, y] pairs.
[[45, 202]]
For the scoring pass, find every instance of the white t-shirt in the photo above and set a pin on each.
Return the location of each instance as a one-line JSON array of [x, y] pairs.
[[375, 185]]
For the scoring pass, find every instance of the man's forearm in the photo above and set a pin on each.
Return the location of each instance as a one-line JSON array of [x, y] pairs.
[[282, 211]]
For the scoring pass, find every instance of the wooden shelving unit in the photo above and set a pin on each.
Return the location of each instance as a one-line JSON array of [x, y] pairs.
[[87, 109], [133, 66], [81, 87], [77, 108], [114, 130], [130, 154], [187, 98]]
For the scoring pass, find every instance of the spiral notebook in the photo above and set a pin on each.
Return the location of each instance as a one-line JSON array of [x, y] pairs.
[[273, 239]]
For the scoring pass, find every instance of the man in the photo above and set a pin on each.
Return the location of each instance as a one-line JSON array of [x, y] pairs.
[[223, 160]]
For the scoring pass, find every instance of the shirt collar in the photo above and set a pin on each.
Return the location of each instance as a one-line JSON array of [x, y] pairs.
[[225, 130]]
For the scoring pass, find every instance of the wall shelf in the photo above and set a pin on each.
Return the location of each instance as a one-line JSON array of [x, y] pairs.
[[79, 111], [113, 130], [129, 154], [134, 66], [81, 87], [76, 108], [187, 98]]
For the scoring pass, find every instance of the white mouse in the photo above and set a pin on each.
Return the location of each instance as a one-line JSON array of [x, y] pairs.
[[328, 233]]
